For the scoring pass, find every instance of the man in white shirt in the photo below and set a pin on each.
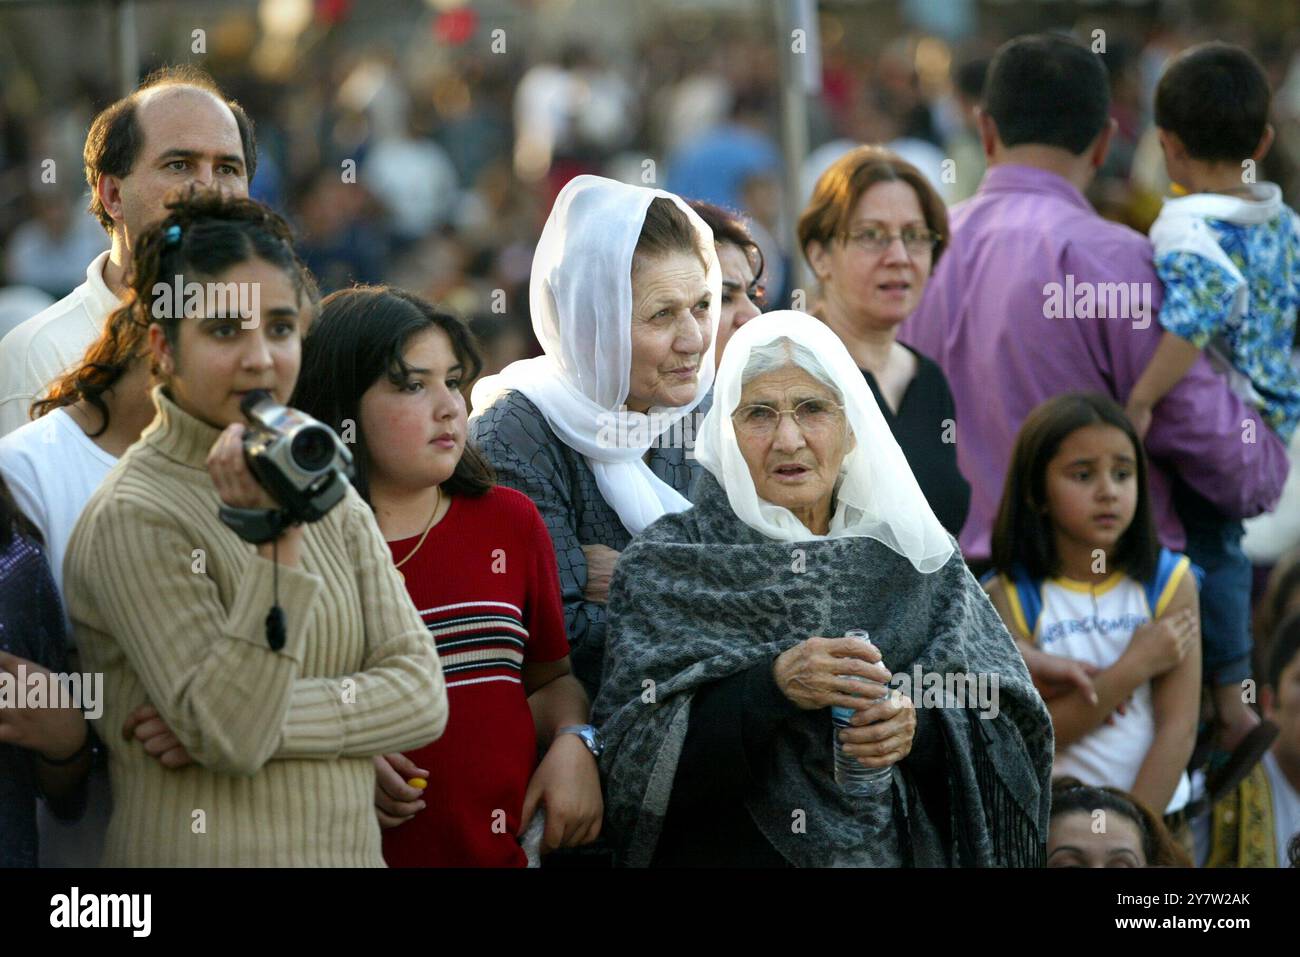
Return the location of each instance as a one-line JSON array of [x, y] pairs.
[[177, 128]]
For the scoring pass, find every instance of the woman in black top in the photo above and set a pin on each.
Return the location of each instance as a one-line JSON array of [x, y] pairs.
[[924, 423], [872, 233]]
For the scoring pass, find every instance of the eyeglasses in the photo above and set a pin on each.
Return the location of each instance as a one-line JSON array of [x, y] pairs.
[[873, 239], [813, 416]]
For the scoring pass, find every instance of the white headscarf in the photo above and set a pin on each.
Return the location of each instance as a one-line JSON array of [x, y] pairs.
[[581, 299], [877, 494]]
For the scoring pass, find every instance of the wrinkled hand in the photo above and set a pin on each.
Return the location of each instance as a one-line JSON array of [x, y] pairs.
[[396, 802], [600, 569], [813, 673], [147, 726], [567, 784], [57, 733], [881, 734], [1162, 644]]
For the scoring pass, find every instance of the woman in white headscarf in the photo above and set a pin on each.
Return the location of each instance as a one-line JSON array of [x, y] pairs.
[[625, 297], [725, 653]]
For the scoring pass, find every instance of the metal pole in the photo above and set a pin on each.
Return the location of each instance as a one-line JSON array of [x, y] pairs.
[[799, 45], [126, 45]]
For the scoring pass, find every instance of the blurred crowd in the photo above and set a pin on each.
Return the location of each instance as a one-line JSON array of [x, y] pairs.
[[1119, 600], [433, 166]]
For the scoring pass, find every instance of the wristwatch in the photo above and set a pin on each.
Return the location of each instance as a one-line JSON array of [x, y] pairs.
[[590, 737]]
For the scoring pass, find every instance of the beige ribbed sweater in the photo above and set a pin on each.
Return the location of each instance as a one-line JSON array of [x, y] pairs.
[[171, 605]]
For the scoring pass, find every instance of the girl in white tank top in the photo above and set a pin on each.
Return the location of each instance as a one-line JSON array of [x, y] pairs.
[[1081, 576]]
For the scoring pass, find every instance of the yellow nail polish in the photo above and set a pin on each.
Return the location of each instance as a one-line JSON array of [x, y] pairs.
[[420, 783]]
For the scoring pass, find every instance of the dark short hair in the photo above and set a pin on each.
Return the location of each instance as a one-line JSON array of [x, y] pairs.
[[1284, 648], [836, 195], [359, 338], [730, 228], [1215, 98], [969, 77], [666, 229], [1022, 533], [115, 138], [1047, 89], [1072, 796]]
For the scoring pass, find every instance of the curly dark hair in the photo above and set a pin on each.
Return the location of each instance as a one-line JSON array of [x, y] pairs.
[[217, 231]]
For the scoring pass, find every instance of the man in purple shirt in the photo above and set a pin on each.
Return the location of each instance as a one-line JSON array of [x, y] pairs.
[[1038, 295]]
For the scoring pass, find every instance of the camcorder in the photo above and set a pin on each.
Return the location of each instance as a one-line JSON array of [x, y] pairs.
[[300, 462]]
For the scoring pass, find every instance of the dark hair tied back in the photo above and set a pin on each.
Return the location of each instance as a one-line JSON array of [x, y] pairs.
[[205, 233]]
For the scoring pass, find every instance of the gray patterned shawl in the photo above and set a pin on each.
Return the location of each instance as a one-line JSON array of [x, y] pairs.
[[699, 596]]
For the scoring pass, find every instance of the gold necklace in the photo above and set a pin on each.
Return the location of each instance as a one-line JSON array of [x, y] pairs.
[[412, 552]]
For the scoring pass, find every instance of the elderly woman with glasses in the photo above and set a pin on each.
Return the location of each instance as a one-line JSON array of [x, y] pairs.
[[727, 647], [872, 232]]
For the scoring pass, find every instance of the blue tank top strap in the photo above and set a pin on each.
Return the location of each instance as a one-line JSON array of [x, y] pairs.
[[1166, 566], [1030, 592]]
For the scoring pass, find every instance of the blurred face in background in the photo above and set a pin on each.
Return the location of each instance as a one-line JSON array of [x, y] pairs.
[[878, 288], [1281, 705], [741, 293]]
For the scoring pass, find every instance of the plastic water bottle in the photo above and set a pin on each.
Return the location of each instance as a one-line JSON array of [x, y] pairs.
[[850, 775]]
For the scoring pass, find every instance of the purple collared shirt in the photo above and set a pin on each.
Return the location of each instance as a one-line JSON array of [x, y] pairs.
[[1008, 339]]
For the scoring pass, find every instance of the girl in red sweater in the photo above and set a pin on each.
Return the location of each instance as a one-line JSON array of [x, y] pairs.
[[386, 370]]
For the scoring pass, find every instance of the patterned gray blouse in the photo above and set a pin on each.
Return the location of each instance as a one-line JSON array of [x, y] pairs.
[[514, 436]]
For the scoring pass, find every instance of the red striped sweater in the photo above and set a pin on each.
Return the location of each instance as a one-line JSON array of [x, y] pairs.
[[486, 585]]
